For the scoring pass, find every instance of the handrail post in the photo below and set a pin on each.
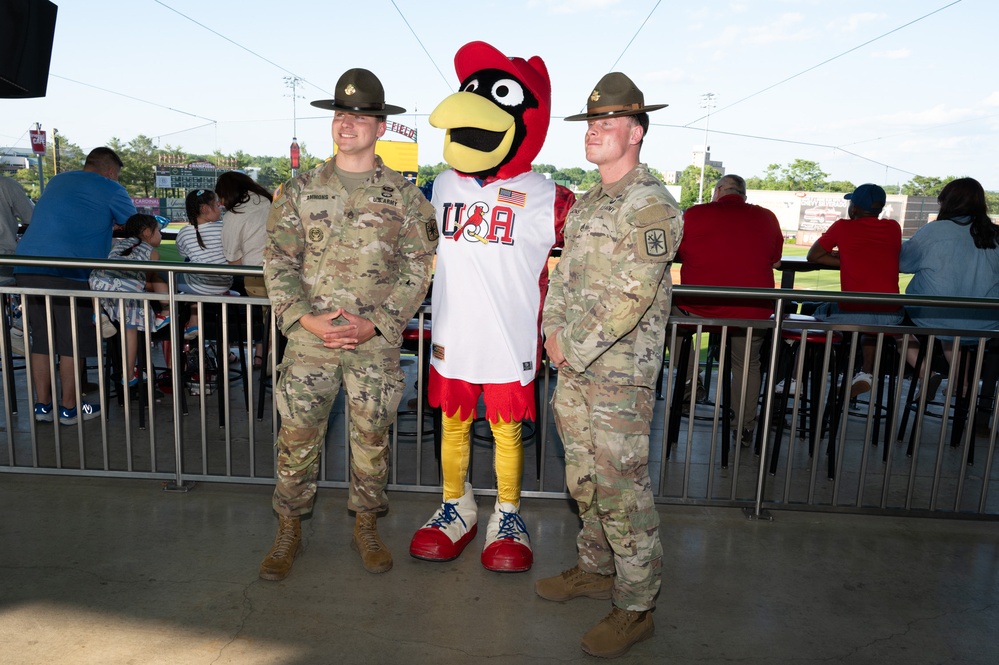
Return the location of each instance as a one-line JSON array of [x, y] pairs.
[[758, 512], [176, 377]]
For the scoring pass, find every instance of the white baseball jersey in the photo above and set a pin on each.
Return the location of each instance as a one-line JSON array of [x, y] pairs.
[[493, 249]]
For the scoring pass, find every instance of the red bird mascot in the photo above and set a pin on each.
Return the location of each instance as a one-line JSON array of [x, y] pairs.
[[498, 221]]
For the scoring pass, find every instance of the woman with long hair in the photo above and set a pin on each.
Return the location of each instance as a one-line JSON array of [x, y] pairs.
[[244, 235], [956, 255]]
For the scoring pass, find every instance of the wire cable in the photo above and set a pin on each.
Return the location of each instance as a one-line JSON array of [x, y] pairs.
[[417, 38], [137, 99], [827, 61], [791, 141], [238, 45], [631, 41], [635, 36]]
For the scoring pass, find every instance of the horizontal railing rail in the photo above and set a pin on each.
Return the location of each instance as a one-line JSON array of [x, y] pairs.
[[862, 464]]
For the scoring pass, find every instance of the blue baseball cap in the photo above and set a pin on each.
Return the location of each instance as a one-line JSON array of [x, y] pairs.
[[868, 197]]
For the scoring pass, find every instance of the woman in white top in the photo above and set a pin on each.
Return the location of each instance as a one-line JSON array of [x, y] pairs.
[[244, 235], [201, 242]]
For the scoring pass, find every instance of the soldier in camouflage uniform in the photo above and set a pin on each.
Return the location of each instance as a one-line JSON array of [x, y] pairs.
[[605, 324], [347, 263]]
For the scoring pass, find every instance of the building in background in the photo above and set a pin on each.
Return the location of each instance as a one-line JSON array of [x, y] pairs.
[[699, 157]]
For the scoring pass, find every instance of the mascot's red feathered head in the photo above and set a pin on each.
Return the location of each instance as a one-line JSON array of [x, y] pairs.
[[495, 126]]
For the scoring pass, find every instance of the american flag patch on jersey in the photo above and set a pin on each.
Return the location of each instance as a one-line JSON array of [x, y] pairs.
[[512, 197]]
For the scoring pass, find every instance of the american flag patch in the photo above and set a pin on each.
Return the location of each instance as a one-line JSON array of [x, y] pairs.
[[512, 197]]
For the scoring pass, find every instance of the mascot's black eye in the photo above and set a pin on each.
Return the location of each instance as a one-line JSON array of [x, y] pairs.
[[508, 92], [471, 86]]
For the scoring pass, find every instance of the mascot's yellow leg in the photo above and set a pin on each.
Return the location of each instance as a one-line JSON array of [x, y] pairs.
[[509, 461], [456, 447]]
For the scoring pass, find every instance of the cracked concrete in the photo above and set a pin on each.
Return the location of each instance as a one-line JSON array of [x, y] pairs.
[[116, 571]]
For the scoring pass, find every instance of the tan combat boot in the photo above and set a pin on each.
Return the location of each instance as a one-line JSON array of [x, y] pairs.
[[374, 554], [575, 583], [619, 630], [277, 564]]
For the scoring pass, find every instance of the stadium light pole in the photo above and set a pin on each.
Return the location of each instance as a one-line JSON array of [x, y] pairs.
[[707, 102]]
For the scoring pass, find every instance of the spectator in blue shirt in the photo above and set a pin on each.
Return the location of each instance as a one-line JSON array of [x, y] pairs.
[[74, 218]]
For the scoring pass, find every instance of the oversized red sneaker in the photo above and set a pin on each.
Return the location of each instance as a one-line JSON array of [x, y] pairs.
[[452, 527], [508, 546]]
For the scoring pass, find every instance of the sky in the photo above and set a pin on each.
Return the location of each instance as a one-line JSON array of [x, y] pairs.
[[875, 91]]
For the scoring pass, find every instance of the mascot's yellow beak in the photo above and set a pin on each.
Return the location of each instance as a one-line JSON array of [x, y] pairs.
[[484, 132]]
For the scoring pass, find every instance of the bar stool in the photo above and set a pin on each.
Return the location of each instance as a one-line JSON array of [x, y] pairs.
[[688, 334], [962, 395], [115, 374], [212, 337], [810, 388], [886, 378]]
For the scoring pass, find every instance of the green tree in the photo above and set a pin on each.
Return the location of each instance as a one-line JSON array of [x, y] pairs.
[[242, 159], [770, 180], [690, 184], [268, 177], [590, 178], [925, 185], [801, 175], [138, 175], [573, 175], [839, 186], [70, 157], [426, 173], [28, 179], [992, 201]]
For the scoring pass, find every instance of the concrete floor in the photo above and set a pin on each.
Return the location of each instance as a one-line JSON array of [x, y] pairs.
[[117, 571]]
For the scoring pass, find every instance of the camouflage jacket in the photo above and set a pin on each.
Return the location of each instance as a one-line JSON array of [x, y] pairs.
[[610, 292], [369, 252]]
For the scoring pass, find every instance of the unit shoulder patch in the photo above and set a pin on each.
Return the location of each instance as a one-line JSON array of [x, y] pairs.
[[655, 242]]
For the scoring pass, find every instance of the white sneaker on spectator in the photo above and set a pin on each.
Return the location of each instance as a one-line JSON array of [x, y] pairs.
[[108, 328], [779, 388], [861, 384]]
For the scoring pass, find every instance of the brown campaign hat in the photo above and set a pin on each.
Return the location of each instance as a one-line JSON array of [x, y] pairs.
[[615, 94], [359, 91]]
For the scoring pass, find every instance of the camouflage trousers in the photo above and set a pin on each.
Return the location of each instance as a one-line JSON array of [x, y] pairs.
[[605, 432], [310, 377]]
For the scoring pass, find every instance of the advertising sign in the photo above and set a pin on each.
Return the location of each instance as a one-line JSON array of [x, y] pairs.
[[38, 141]]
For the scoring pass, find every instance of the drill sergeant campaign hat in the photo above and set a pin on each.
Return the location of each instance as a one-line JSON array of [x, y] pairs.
[[614, 95], [359, 92]]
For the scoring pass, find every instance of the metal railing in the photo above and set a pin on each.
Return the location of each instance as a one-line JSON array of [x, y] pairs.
[[850, 460]]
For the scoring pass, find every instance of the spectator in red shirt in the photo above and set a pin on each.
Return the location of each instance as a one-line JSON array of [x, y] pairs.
[[729, 242], [865, 249]]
